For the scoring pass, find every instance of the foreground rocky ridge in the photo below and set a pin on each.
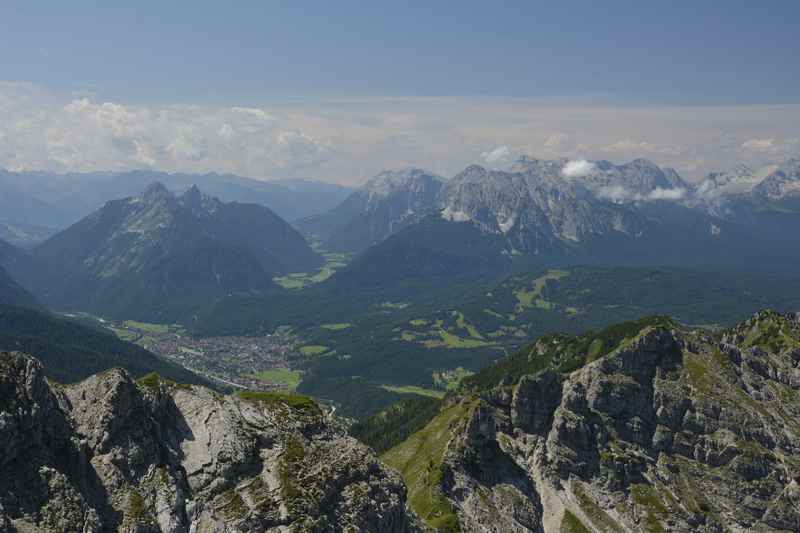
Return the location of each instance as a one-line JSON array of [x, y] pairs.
[[667, 429], [111, 454]]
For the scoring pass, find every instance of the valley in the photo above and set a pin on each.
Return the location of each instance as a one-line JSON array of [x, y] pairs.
[[382, 351], [300, 280], [256, 363]]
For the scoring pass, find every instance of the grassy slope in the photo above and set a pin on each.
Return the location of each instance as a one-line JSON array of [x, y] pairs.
[[419, 460]]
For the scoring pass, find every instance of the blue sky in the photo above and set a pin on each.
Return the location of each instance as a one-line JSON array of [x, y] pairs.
[[701, 51], [340, 91]]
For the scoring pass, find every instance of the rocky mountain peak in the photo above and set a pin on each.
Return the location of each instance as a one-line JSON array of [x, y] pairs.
[[780, 184], [114, 454], [540, 168], [644, 164], [472, 170], [156, 192], [540, 203], [170, 254], [410, 180], [193, 192], [769, 183], [740, 179], [198, 203]]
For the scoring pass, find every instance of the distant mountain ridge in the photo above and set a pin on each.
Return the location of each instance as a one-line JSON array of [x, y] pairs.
[[159, 256], [47, 200], [548, 201], [585, 211], [385, 204]]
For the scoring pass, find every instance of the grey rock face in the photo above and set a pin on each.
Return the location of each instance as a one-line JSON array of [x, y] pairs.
[[556, 206], [781, 184], [384, 205], [771, 183], [673, 430], [543, 205], [537, 205], [109, 454]]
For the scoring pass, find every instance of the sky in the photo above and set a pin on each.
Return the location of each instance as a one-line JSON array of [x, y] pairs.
[[339, 91]]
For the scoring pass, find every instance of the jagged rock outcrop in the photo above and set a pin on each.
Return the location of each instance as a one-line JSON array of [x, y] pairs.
[[111, 454], [666, 429]]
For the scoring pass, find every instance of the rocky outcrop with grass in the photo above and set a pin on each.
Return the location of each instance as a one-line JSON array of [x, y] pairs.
[[644, 427], [112, 454]]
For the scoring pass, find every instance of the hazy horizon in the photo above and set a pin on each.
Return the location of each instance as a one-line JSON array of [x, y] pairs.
[[270, 92]]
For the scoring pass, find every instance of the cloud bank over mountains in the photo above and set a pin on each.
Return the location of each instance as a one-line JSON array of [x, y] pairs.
[[350, 141], [619, 194], [42, 132], [577, 169]]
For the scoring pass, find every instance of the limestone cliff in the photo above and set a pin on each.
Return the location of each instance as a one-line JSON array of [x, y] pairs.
[[664, 428], [111, 454]]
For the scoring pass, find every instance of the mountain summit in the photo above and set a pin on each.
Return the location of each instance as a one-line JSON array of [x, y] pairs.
[[386, 203], [159, 256]]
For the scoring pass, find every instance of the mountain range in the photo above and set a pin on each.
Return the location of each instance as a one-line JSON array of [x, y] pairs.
[[385, 204], [568, 212], [167, 257], [158, 256], [35, 205]]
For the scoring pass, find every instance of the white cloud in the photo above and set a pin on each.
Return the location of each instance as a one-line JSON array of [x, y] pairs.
[[499, 154], [669, 195], [348, 142], [577, 169], [85, 135], [619, 194], [615, 193], [760, 145], [556, 140], [630, 145]]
